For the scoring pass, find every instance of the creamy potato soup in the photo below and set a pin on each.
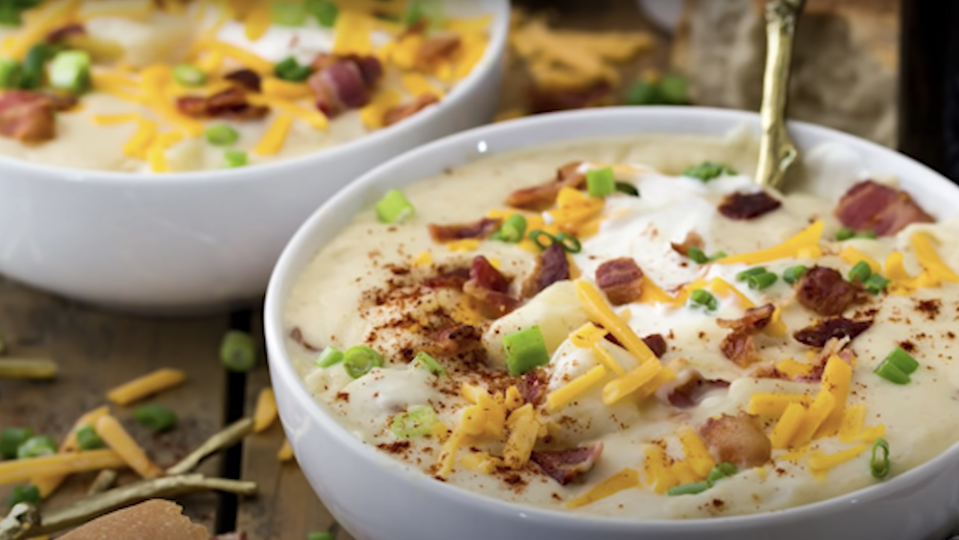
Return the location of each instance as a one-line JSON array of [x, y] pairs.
[[172, 86], [641, 332]]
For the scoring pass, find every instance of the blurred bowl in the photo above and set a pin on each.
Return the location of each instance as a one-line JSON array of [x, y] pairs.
[[202, 241]]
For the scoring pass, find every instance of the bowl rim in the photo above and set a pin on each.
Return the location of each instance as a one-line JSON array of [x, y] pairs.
[[281, 365], [499, 25]]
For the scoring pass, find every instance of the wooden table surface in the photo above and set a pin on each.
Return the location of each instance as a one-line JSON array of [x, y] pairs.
[[97, 350]]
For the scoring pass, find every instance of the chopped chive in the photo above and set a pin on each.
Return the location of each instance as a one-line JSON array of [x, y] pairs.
[[417, 421], [845, 234], [87, 438], [291, 70], [11, 439], [902, 360], [221, 135], [746, 274], [325, 12], [432, 364], [394, 207], [525, 351], [876, 284], [860, 271], [237, 351], [40, 445], [794, 273], [154, 417], [600, 182], [723, 470], [708, 170], [28, 493], [697, 255], [879, 465], [762, 281], [688, 489], [322, 535], [513, 229], [568, 242], [9, 73], [360, 360], [235, 158], [189, 75], [329, 357], [288, 13], [892, 373], [627, 188], [703, 298]]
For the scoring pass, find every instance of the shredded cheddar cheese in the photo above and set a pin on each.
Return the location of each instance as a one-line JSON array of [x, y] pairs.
[[374, 114], [417, 85], [156, 157], [792, 369], [113, 119], [137, 389], [774, 405], [137, 146], [524, 429], [624, 479], [265, 412], [836, 380], [285, 453], [48, 484], [274, 87], [658, 469], [817, 413], [804, 244], [561, 397], [935, 270], [697, 455], [52, 15], [272, 142], [117, 438], [313, 117], [22, 470], [243, 56], [851, 256], [788, 425], [606, 358], [853, 419], [467, 244], [599, 311], [353, 33], [423, 259], [617, 389], [821, 462]]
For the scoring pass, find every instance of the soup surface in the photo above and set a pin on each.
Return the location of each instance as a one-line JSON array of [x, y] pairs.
[[655, 338]]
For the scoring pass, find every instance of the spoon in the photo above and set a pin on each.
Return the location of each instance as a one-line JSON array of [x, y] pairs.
[[776, 149]]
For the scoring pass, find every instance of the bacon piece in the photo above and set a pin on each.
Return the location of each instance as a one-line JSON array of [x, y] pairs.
[[742, 206], [544, 100], [736, 439], [454, 279], [489, 288], [739, 345], [543, 196], [621, 280], [436, 49], [551, 266], [454, 340], [29, 116], [564, 466], [485, 275], [871, 206], [230, 103], [344, 82], [65, 32], [824, 291], [693, 240], [688, 389], [402, 112], [463, 231], [656, 343], [533, 387], [755, 318], [821, 332], [247, 78]]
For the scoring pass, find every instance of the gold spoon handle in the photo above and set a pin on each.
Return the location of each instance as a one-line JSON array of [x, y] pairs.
[[776, 150]]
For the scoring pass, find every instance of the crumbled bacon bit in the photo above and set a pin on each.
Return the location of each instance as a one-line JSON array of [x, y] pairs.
[[29, 116], [551, 266], [737, 439], [693, 240], [436, 49], [230, 103], [455, 340], [871, 206], [454, 279], [824, 291], [755, 318], [688, 389], [743, 206], [344, 82], [543, 196], [819, 333], [489, 288], [621, 280], [533, 387], [739, 345], [247, 78], [406, 110], [462, 231], [65, 32], [564, 466], [656, 343]]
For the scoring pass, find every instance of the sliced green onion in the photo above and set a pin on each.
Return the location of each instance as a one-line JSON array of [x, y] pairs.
[[10, 71], [513, 229], [394, 207], [10, 15], [879, 465], [11, 439], [708, 170], [154, 417], [32, 74], [876, 284], [902, 360], [718, 255], [417, 421], [746, 274], [221, 135], [360, 360], [627, 188], [325, 12], [28, 493], [70, 71], [431, 10], [329, 357], [322, 535], [235, 158], [867, 234], [568, 242], [860, 271], [525, 351], [600, 182], [291, 70], [288, 13], [41, 445], [87, 438], [702, 297], [189, 75], [697, 255], [674, 89], [762, 281], [432, 364], [237, 351], [723, 470], [892, 373], [845, 234], [688, 489], [669, 90], [794, 273]]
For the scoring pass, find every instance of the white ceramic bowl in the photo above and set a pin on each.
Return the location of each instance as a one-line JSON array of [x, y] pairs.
[[202, 241], [377, 498]]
